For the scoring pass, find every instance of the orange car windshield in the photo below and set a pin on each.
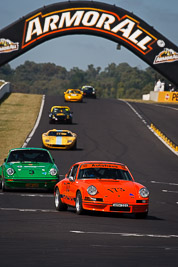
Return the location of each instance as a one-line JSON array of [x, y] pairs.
[[104, 173]]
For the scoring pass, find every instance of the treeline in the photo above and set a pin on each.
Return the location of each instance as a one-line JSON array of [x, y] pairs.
[[115, 81]]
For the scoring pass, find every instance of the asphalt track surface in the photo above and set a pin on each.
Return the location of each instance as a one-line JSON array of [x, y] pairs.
[[32, 233]]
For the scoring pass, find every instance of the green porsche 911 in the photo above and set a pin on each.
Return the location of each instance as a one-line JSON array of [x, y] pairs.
[[30, 168]]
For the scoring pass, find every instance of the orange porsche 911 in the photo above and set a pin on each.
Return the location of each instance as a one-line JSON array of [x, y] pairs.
[[101, 186]]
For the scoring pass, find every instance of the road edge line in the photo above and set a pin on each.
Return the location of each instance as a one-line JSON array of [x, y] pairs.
[[149, 127], [36, 124]]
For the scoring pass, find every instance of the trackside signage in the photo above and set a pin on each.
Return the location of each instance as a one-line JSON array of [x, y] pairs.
[[125, 28], [168, 97], [91, 18]]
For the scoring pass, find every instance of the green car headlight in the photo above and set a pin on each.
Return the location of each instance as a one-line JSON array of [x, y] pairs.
[[144, 192], [53, 172], [10, 171], [92, 190]]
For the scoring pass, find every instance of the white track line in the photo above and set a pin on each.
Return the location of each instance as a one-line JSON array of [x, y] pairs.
[[36, 124], [162, 106], [126, 234], [28, 195], [155, 182], [167, 191], [27, 210], [140, 117]]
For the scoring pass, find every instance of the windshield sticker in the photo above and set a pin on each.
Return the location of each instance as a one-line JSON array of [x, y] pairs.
[[102, 165]]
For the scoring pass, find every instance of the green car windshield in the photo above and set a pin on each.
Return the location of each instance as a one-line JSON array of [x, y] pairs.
[[104, 173], [29, 156]]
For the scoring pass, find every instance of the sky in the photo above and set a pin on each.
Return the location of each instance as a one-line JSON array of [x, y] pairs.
[[82, 50]]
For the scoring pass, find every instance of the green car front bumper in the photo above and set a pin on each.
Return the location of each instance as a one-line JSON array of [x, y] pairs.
[[47, 184]]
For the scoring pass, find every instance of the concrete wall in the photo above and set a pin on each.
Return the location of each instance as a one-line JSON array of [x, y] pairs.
[[4, 88], [154, 96]]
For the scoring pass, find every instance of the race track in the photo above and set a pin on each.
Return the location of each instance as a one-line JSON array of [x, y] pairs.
[[32, 233]]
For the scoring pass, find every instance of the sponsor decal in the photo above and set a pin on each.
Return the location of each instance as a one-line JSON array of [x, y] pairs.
[[101, 165], [175, 97], [115, 190], [166, 56], [167, 97], [124, 28], [161, 43], [7, 46]]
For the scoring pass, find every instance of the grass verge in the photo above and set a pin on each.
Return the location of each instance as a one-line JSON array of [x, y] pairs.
[[18, 114]]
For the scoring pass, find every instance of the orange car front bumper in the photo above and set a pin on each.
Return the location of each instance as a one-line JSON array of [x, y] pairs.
[[138, 208]]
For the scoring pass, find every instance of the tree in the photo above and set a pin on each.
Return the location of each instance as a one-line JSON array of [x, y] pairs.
[[115, 81]]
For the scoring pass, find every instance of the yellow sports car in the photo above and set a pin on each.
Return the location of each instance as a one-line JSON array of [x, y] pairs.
[[59, 139], [60, 114], [73, 95]]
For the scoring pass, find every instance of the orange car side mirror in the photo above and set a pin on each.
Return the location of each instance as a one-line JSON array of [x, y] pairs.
[[71, 178]]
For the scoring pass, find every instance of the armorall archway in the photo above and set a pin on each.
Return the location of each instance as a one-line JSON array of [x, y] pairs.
[[92, 18]]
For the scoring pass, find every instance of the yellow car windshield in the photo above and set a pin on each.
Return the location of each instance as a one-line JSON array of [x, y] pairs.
[[60, 110], [55, 133]]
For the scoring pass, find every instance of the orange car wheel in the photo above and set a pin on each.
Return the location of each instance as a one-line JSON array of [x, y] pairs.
[[78, 204], [58, 203]]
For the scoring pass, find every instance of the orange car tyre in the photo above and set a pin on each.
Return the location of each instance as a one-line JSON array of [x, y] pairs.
[[58, 203], [78, 204]]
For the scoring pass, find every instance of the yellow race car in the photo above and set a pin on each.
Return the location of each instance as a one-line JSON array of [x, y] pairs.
[[60, 114], [73, 95], [59, 139]]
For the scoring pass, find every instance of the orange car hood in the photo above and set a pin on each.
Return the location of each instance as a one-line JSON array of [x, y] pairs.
[[112, 190]]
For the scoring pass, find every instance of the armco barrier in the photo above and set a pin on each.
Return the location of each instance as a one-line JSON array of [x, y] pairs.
[[4, 89]]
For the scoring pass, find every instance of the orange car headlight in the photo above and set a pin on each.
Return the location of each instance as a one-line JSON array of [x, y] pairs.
[[144, 192], [92, 190]]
